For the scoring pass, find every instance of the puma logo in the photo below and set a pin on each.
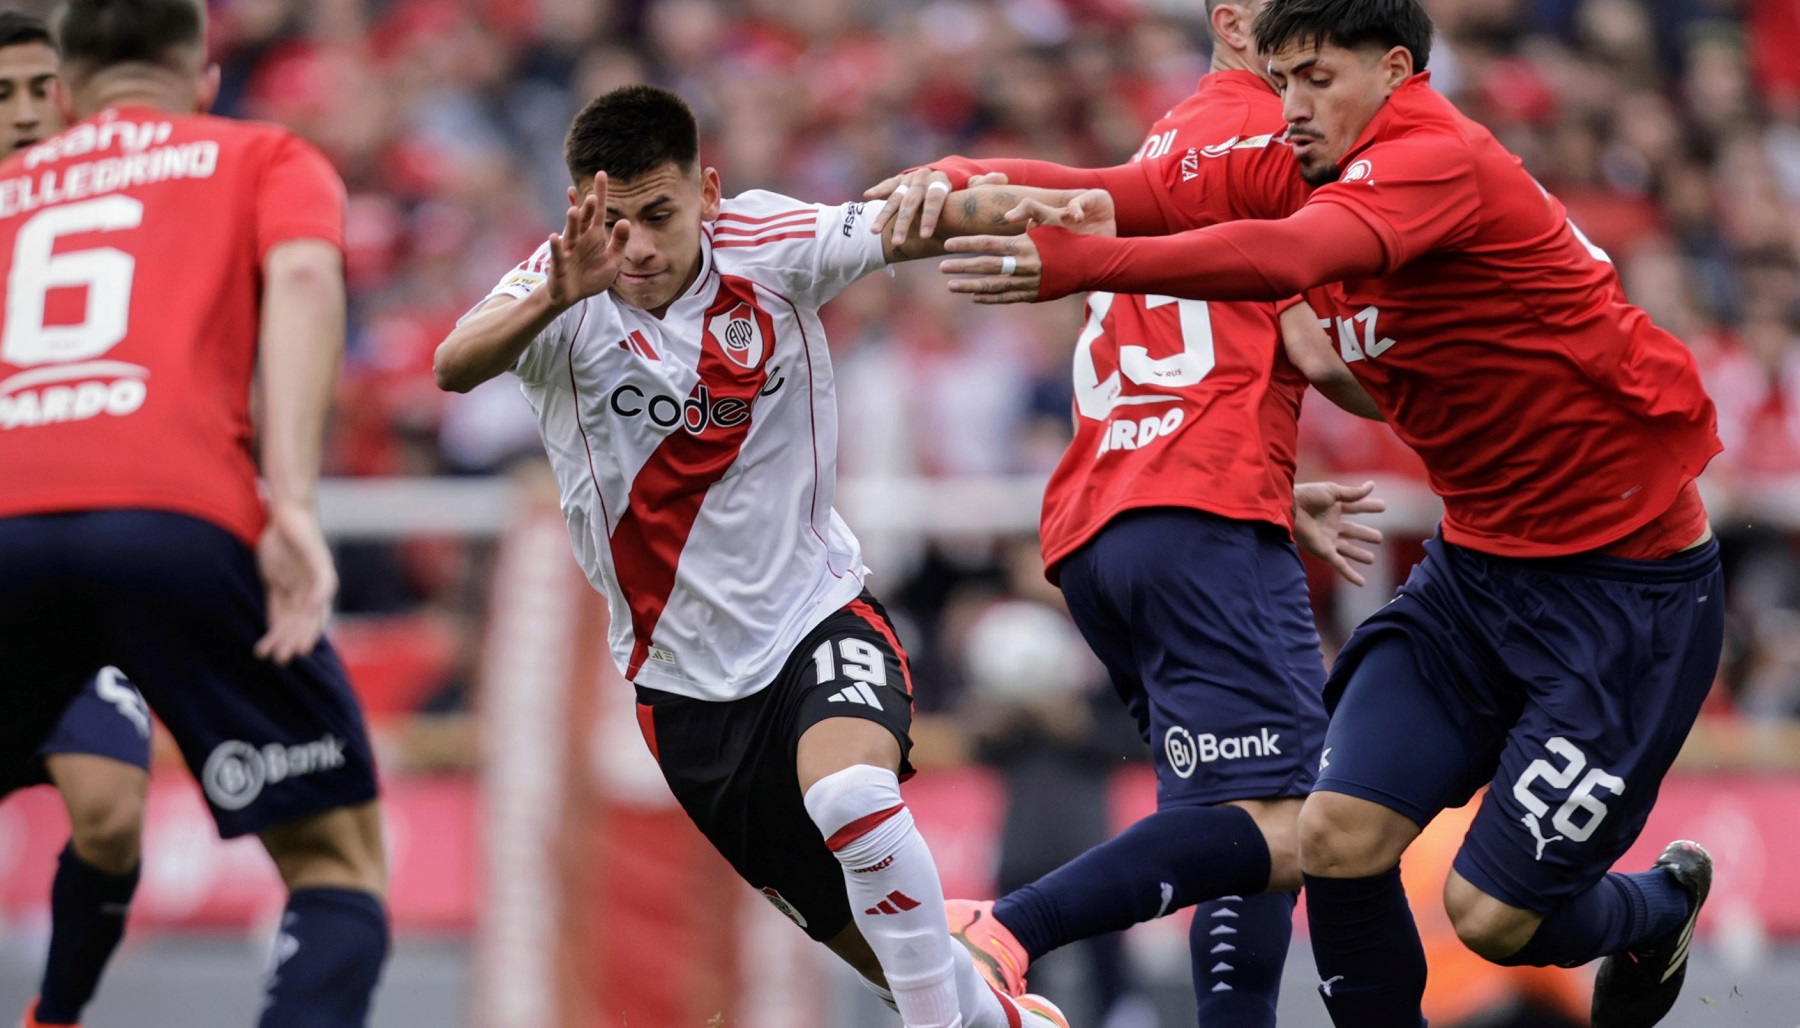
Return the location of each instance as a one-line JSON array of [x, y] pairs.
[[1168, 897], [1531, 822], [1325, 986]]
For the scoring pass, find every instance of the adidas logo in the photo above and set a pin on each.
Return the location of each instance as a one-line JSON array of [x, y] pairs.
[[896, 902], [857, 693]]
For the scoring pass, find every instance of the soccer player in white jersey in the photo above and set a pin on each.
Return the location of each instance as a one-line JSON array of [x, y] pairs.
[[670, 343]]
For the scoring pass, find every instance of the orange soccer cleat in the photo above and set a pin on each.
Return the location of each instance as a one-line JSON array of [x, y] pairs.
[[30, 1019], [998, 956]]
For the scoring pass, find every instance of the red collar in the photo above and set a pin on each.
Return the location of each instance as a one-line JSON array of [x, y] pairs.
[[1414, 97]]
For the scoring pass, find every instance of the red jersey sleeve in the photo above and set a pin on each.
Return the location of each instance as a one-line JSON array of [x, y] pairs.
[[1255, 178], [300, 197], [1418, 194]]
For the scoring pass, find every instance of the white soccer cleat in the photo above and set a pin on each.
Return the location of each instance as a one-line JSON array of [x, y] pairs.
[[1038, 1012]]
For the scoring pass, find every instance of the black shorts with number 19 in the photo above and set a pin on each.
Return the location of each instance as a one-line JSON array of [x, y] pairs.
[[732, 765]]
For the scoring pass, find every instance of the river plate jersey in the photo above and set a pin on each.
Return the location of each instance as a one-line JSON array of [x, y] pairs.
[[696, 453]]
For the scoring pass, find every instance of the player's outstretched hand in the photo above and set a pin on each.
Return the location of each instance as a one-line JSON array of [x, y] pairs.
[[1320, 528], [299, 579], [916, 196], [1004, 269], [585, 257], [1088, 213]]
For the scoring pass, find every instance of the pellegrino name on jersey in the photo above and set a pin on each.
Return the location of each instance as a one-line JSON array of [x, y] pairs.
[[141, 162]]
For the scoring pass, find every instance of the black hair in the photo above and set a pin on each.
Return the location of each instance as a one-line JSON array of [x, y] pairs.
[[630, 131], [102, 33], [18, 29], [1346, 23]]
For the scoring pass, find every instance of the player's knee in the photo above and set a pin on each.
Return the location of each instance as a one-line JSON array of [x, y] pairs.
[[838, 743], [1345, 837], [107, 832], [340, 848], [1489, 928], [1279, 822]]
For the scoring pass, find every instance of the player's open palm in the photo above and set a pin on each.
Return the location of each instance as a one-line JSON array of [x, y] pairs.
[[1089, 213], [299, 580], [586, 256], [1320, 528]]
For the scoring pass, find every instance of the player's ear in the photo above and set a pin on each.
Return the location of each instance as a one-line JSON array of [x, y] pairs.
[[709, 194], [1396, 67], [1231, 25], [208, 89]]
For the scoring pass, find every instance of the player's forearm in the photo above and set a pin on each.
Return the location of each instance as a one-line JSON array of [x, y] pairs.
[[1242, 260], [974, 212], [301, 348], [1310, 350], [1135, 205], [489, 343]]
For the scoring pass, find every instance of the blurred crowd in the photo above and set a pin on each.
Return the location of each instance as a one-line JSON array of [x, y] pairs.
[[1670, 128]]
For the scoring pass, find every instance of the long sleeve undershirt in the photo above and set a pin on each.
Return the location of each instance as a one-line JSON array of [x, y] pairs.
[[1240, 260]]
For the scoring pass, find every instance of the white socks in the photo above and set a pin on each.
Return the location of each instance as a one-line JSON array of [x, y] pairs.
[[895, 895]]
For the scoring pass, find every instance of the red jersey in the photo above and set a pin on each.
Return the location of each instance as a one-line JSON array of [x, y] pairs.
[[1182, 403], [132, 248], [1553, 417]]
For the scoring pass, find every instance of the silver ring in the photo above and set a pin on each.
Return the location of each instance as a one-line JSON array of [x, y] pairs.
[[902, 189], [938, 184], [1008, 264]]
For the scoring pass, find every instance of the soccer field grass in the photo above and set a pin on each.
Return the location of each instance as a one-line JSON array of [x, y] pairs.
[[200, 982]]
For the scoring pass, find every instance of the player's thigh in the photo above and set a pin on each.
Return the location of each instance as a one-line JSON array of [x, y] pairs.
[[48, 639], [1615, 680], [105, 799], [1225, 648], [339, 848], [1096, 603], [183, 609], [733, 766], [732, 771]]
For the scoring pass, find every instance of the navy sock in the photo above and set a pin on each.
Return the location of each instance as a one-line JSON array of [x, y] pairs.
[[1618, 913], [1371, 962], [1239, 946], [327, 960], [87, 916], [1172, 859]]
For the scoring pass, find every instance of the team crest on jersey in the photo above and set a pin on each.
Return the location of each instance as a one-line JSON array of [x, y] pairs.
[[781, 904], [738, 334], [1358, 172]]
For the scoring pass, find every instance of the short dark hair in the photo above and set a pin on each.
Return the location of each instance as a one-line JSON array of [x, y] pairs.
[[18, 28], [102, 33], [630, 131], [1346, 23]]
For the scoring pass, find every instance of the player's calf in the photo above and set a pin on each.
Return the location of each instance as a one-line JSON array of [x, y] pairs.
[[334, 932]]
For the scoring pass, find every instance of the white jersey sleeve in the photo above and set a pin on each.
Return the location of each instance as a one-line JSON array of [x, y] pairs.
[[519, 283], [810, 251]]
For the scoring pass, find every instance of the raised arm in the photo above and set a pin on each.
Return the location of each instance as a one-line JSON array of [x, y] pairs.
[[996, 211], [301, 346], [584, 261], [1241, 260], [915, 199]]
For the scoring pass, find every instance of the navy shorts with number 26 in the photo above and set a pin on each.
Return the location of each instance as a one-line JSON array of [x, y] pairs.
[[1566, 685]]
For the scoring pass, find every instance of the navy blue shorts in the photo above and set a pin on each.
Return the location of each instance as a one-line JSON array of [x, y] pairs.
[[176, 604], [1205, 626], [1567, 685], [107, 718]]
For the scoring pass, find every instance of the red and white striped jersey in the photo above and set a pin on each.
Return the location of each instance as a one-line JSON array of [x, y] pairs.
[[697, 453]]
